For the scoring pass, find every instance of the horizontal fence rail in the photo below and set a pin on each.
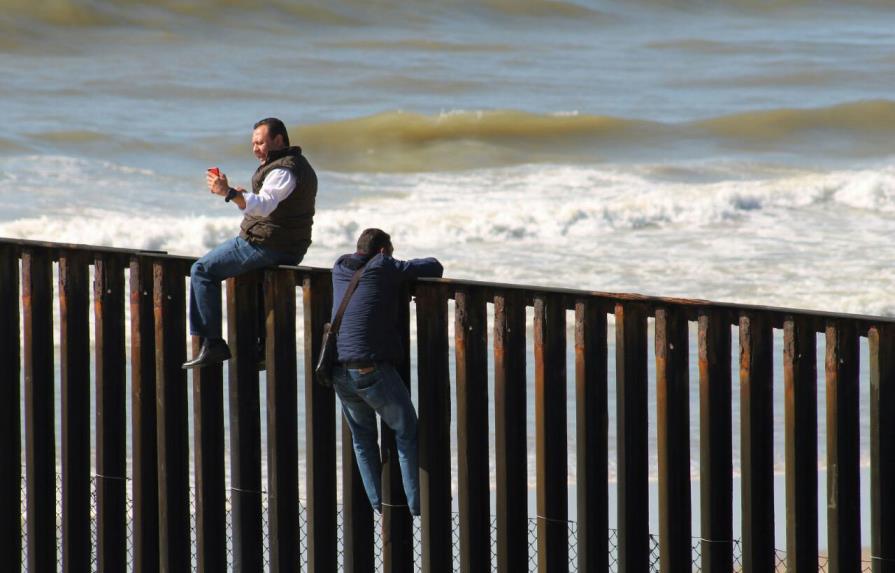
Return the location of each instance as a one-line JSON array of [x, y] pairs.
[[85, 488]]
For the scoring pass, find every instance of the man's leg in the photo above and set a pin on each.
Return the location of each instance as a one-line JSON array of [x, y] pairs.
[[230, 259], [391, 400], [206, 274], [364, 435]]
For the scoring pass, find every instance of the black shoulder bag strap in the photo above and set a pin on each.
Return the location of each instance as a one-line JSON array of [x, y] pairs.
[[327, 358], [352, 286]]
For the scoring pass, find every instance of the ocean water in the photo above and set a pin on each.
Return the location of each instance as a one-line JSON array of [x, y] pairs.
[[739, 150]]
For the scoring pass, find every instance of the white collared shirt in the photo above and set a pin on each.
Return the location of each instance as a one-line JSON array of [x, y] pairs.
[[278, 184]]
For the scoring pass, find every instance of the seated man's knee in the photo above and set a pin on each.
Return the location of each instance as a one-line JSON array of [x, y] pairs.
[[206, 267], [198, 269]]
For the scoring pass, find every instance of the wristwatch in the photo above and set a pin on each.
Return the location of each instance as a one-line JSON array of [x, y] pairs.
[[231, 193]]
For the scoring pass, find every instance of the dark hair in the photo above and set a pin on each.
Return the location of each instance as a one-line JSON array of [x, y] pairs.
[[372, 240], [275, 127]]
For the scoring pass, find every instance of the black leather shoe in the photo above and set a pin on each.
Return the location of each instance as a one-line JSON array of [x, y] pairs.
[[213, 351]]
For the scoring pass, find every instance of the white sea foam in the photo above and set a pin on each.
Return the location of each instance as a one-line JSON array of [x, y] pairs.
[[176, 235], [789, 238]]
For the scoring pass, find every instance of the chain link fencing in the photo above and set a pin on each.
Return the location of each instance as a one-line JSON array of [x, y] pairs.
[[417, 539]]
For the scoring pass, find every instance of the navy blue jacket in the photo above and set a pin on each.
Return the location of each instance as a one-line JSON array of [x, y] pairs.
[[369, 330]]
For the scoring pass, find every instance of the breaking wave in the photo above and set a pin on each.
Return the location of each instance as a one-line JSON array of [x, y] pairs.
[[403, 142], [160, 13], [102, 13], [591, 227]]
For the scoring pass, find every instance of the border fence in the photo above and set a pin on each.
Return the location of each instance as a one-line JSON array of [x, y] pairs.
[[780, 561], [264, 522]]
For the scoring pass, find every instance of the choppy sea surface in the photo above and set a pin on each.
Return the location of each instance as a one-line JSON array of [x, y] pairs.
[[738, 150]]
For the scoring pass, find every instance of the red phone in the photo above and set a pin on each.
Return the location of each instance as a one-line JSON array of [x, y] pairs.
[[214, 171]]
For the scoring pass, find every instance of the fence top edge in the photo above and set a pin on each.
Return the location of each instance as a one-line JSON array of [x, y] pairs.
[[572, 296], [28, 244], [569, 296]]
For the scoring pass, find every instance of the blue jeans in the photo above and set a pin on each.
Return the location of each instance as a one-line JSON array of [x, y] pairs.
[[380, 392], [229, 259]]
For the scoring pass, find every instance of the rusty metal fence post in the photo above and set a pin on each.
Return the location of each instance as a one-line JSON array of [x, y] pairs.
[[208, 463], [673, 420], [245, 423], [357, 513], [552, 447], [843, 449], [282, 421], [471, 339], [633, 463], [882, 448], [397, 535], [592, 441], [510, 425], [111, 420], [10, 416], [74, 306], [143, 414], [757, 442], [320, 431], [40, 434], [716, 442], [171, 416], [434, 428], [800, 379]]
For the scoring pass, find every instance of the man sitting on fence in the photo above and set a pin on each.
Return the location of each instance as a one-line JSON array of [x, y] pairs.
[[275, 230], [369, 347]]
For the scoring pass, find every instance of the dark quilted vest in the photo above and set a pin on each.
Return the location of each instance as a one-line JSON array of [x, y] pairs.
[[288, 228]]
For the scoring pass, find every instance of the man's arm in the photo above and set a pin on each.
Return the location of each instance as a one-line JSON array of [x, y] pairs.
[[419, 268], [278, 185]]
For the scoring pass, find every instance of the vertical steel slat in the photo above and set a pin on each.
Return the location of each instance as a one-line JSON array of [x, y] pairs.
[[800, 379], [633, 451], [169, 307], [144, 429], [111, 416], [715, 442], [673, 420], [208, 459], [282, 421], [434, 428], [40, 434], [74, 308], [10, 413], [320, 429], [397, 540], [471, 340], [843, 448], [551, 440], [882, 448], [511, 439], [757, 442], [357, 513], [245, 423], [592, 424]]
